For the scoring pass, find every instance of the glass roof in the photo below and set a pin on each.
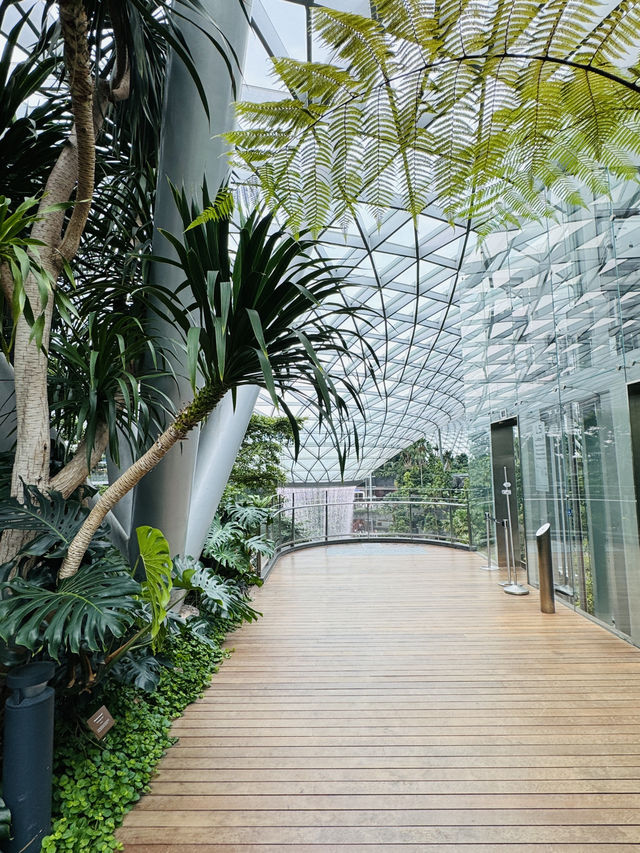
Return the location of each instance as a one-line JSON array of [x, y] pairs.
[[407, 273]]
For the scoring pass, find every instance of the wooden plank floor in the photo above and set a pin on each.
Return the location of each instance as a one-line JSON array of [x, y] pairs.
[[394, 698]]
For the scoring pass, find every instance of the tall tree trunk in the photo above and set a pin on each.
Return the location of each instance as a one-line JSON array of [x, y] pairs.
[[203, 404], [74, 169]]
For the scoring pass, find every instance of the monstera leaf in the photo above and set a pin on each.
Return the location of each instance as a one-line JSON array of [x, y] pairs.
[[54, 520], [249, 516], [83, 613], [141, 670], [220, 537], [220, 597], [155, 556]]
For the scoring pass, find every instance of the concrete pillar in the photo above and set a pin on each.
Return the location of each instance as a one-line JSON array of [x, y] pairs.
[[189, 154], [7, 407], [220, 440]]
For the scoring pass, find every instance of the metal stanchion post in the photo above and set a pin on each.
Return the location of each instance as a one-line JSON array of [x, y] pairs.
[[507, 552], [514, 588], [489, 567], [545, 569]]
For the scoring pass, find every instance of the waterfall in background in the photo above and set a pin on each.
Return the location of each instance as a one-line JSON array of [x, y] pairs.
[[310, 521]]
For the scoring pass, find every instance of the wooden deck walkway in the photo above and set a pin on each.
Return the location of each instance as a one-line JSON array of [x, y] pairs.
[[394, 698]]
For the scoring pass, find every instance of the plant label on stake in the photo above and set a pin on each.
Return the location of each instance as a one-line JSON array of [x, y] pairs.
[[100, 722]]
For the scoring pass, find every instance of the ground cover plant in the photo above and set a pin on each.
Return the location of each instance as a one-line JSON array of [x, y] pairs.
[[97, 782]]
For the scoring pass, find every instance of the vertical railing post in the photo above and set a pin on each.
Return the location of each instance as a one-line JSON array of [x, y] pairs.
[[410, 517], [469, 530], [489, 567], [326, 515], [279, 539], [450, 522], [293, 519]]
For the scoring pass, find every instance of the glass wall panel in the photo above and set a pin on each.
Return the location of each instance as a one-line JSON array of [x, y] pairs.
[[550, 323]]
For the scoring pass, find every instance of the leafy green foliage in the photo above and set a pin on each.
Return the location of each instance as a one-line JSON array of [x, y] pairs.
[[221, 208], [54, 520], [479, 106], [269, 319], [20, 255], [420, 466], [432, 481], [30, 138], [140, 669], [83, 613], [218, 596], [232, 547], [128, 42], [95, 379], [257, 470], [156, 589], [95, 784]]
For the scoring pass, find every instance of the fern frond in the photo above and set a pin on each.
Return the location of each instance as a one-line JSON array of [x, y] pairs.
[[358, 41], [222, 208], [480, 105], [317, 81]]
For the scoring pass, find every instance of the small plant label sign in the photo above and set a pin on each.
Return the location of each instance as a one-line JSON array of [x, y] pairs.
[[100, 722]]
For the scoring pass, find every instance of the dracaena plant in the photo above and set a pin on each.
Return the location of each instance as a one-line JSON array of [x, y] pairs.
[[269, 317]]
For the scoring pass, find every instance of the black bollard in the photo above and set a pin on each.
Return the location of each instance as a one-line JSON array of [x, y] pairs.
[[28, 755]]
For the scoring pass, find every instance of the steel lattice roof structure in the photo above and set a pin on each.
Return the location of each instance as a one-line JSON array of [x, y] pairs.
[[402, 277], [407, 274]]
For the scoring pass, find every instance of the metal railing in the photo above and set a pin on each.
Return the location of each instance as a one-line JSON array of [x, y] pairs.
[[443, 522]]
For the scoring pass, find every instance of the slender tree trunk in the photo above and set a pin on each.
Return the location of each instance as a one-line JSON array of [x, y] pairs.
[[203, 404], [74, 169], [76, 471]]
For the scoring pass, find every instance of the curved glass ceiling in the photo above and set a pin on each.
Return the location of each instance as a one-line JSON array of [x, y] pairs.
[[407, 275]]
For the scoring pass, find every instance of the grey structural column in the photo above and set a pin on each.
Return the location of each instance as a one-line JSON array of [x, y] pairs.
[[7, 406], [220, 439], [190, 153]]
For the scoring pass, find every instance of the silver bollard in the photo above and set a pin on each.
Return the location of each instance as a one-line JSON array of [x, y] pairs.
[[545, 569], [489, 567], [513, 588], [507, 552]]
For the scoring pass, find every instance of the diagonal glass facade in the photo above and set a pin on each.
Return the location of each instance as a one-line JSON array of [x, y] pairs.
[[549, 322], [408, 275]]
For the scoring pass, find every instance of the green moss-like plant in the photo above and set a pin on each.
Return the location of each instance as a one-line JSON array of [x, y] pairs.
[[96, 783]]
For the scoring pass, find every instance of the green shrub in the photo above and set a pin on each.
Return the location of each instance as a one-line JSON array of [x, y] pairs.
[[96, 782]]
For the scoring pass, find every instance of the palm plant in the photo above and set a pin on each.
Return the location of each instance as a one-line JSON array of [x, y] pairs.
[[263, 320], [475, 106]]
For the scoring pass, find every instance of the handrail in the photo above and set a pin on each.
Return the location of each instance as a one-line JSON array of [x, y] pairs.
[[426, 521]]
